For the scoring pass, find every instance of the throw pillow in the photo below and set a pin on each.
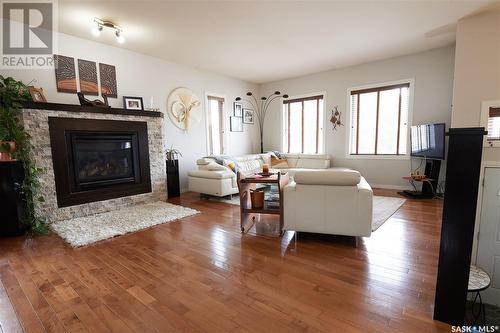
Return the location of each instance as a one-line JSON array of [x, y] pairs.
[[278, 163], [231, 165]]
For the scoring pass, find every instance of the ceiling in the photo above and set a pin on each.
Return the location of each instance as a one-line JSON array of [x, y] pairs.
[[265, 41]]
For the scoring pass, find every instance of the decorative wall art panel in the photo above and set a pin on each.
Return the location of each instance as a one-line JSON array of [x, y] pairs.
[[107, 74], [87, 71], [65, 74]]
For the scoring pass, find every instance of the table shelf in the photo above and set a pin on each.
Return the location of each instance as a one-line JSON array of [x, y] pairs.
[[247, 183]]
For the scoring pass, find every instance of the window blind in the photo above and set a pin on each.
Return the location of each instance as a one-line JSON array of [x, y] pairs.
[[379, 120]]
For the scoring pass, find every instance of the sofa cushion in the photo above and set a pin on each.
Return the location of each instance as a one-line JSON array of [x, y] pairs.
[[203, 161], [211, 174], [328, 177], [250, 163], [308, 161]]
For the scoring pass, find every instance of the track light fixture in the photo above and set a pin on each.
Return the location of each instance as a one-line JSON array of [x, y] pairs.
[[101, 24]]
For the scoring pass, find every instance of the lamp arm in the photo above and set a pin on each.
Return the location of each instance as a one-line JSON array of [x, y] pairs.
[[269, 103], [269, 99], [254, 107]]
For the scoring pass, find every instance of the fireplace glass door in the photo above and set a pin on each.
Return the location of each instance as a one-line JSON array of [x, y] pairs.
[[101, 160]]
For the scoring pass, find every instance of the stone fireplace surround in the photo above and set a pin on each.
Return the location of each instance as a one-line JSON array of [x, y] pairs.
[[35, 119]]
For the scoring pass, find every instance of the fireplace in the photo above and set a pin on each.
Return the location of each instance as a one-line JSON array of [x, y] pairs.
[[98, 159]]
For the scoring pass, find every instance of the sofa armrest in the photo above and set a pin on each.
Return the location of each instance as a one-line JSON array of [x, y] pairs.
[[363, 186]]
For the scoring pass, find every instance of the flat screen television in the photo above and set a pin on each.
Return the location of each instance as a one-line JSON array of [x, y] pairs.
[[428, 141]]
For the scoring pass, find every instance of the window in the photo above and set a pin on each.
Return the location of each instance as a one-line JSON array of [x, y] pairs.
[[215, 123], [379, 120], [493, 126], [303, 125]]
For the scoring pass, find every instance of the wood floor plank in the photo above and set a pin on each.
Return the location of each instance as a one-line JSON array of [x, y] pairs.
[[201, 275], [8, 318]]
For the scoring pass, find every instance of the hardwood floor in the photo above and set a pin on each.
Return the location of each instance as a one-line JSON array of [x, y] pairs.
[[201, 275]]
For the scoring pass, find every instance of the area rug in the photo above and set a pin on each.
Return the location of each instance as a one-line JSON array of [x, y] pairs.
[[383, 207], [90, 229]]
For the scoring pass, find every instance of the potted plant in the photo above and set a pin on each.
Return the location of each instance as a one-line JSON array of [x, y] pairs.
[[15, 144], [173, 185]]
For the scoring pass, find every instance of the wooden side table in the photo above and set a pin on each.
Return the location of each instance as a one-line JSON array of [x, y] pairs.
[[249, 182]]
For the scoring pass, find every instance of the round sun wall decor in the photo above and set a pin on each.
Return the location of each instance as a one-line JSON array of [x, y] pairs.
[[183, 108]]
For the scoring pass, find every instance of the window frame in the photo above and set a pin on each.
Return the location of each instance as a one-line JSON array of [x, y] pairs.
[[321, 148], [222, 121], [485, 114], [406, 156]]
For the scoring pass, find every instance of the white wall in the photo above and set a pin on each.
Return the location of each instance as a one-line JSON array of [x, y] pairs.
[[433, 75], [145, 76], [477, 71], [477, 79]]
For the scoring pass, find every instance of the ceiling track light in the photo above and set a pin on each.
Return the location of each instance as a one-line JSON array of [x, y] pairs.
[[101, 24]]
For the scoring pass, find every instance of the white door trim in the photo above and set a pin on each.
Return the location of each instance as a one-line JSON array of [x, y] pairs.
[[475, 244]]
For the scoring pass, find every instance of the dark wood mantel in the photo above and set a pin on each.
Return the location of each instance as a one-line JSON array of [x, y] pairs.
[[89, 109]]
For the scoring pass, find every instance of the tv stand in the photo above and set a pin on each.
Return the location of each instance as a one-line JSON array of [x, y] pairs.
[[429, 182]]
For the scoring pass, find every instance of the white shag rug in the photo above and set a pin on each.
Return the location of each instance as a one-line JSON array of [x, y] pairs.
[[383, 207], [90, 229]]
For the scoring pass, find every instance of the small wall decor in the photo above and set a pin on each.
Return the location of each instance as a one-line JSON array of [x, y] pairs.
[[107, 74], [133, 103], [37, 94], [238, 109], [335, 119], [236, 124], [248, 116], [65, 74], [87, 71], [183, 108]]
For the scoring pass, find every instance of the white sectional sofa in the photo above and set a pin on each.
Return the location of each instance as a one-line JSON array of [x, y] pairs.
[[218, 180], [319, 199], [329, 201]]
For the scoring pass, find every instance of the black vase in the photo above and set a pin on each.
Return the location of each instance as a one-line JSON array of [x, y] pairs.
[[173, 186]]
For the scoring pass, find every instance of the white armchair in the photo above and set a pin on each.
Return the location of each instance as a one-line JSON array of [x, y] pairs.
[[329, 201]]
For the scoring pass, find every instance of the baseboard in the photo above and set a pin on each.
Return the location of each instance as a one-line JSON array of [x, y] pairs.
[[391, 187]]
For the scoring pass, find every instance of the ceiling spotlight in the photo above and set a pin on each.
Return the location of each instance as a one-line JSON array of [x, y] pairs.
[[119, 37], [101, 24]]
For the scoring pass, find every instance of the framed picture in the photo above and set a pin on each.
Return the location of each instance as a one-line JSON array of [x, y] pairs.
[[37, 94], [133, 103], [238, 109], [236, 124], [248, 116]]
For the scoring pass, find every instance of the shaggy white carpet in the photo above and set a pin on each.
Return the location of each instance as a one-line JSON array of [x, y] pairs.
[[90, 229], [383, 207]]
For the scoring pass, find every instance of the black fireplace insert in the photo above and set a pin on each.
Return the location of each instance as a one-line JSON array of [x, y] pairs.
[[101, 160], [98, 159]]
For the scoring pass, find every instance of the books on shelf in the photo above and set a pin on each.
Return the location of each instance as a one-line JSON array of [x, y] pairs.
[[272, 205]]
